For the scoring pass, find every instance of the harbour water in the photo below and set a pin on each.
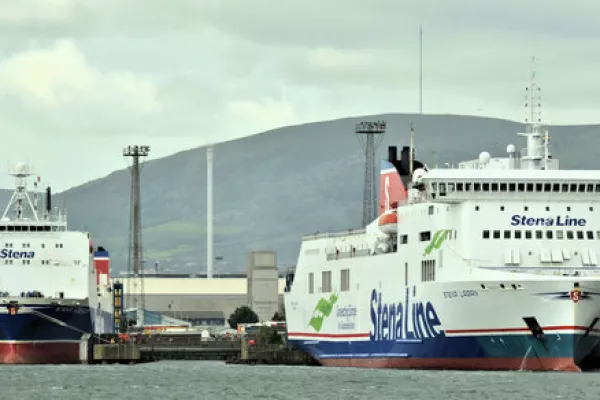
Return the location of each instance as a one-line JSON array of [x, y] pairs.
[[217, 380]]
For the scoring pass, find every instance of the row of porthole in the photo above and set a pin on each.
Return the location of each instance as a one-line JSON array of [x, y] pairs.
[[526, 208], [502, 286]]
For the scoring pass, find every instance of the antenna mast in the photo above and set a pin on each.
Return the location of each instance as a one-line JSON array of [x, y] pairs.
[[420, 70], [209, 212], [370, 135], [537, 136], [411, 157]]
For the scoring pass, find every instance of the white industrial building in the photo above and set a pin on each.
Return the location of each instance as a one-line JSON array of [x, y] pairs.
[[210, 301]]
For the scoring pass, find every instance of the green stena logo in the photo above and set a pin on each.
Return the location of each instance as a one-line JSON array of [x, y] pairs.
[[322, 310], [437, 241]]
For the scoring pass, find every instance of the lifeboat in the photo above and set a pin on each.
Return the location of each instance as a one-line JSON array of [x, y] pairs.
[[388, 222]]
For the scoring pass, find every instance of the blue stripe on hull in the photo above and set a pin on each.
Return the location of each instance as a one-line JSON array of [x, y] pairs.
[[574, 346], [25, 326]]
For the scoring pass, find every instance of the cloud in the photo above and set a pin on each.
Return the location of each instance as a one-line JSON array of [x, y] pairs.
[[262, 114], [35, 11], [61, 76]]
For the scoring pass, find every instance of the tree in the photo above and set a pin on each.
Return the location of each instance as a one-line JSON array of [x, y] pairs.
[[278, 316], [242, 315]]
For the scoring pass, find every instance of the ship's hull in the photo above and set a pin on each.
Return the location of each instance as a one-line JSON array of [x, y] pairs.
[[43, 334], [452, 326]]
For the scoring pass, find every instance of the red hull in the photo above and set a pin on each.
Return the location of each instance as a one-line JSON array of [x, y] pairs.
[[530, 364], [39, 353]]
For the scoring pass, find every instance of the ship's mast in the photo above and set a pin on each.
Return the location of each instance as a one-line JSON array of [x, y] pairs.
[[20, 199], [537, 153]]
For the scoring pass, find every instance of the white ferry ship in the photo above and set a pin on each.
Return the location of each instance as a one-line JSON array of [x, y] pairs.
[[54, 289], [491, 265]]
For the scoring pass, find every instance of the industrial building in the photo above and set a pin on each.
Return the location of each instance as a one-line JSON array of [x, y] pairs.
[[210, 301]]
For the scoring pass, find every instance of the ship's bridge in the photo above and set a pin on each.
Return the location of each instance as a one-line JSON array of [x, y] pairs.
[[458, 185]]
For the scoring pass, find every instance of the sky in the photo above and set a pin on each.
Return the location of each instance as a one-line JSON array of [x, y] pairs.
[[82, 79]]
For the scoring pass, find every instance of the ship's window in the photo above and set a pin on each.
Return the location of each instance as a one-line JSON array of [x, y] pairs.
[[501, 208], [451, 187], [502, 286], [455, 234], [591, 208], [434, 187], [548, 234], [539, 187], [570, 235], [326, 281], [431, 210], [442, 188], [597, 234], [403, 239], [459, 187], [547, 208], [527, 234], [559, 235], [503, 187], [526, 208], [573, 187], [486, 234], [477, 187], [496, 234], [11, 228], [405, 274], [345, 280], [43, 245], [539, 235], [494, 187], [581, 187], [512, 187], [597, 187], [590, 235], [556, 187], [547, 187], [506, 234], [580, 235], [590, 187], [568, 208], [476, 208], [427, 270], [521, 187], [425, 236], [311, 282], [486, 187], [468, 186], [2, 228], [530, 187], [517, 234]]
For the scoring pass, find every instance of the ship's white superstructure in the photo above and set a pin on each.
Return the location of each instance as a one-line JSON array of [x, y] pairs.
[[491, 265]]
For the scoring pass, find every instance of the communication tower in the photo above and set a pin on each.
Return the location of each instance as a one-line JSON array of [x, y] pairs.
[[135, 229], [370, 135]]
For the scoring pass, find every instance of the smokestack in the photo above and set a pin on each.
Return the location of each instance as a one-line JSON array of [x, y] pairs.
[[392, 154], [209, 212], [48, 200]]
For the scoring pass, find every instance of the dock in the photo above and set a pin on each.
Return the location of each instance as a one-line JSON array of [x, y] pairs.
[[262, 349]]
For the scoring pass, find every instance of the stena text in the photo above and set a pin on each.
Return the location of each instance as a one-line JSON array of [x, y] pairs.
[[393, 321]]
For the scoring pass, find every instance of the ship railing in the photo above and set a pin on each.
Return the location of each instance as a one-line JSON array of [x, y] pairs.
[[348, 254], [322, 235]]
